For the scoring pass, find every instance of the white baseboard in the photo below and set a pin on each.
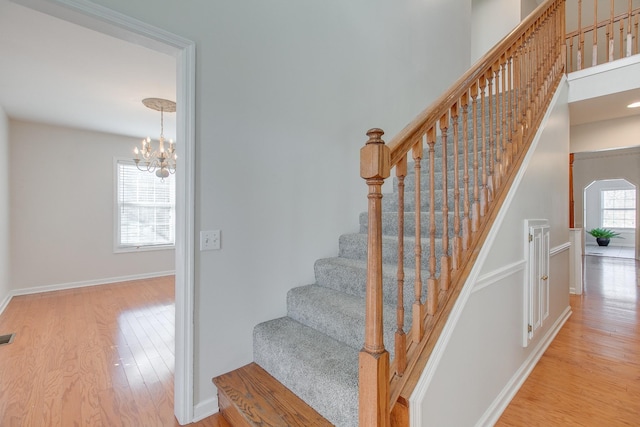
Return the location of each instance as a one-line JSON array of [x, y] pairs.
[[82, 284], [205, 409], [5, 302], [493, 413], [94, 282]]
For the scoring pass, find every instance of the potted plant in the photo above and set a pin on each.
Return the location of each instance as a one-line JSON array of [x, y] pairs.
[[603, 235]]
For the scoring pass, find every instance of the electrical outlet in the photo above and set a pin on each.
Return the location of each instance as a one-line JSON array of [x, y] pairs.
[[210, 240]]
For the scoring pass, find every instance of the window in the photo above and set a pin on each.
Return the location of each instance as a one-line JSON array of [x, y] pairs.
[[145, 209], [619, 208]]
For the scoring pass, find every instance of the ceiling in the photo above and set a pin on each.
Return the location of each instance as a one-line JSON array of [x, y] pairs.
[[56, 72], [605, 107]]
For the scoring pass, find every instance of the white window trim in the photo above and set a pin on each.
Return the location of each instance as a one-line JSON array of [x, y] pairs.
[[116, 218]]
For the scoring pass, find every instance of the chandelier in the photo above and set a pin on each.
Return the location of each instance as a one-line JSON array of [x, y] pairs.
[[162, 161]]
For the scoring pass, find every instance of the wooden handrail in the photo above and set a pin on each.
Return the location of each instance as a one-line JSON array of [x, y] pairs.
[[442, 104], [486, 122]]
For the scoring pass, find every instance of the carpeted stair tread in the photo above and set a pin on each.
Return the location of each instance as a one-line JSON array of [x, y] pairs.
[[339, 315], [319, 369], [410, 182], [354, 246], [390, 200], [250, 396], [350, 276], [424, 166], [390, 223]]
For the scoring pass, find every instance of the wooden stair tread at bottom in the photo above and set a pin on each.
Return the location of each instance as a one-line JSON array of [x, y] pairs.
[[250, 396]]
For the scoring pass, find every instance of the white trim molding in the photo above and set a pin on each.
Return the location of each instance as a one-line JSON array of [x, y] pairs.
[[575, 261], [560, 248], [205, 409], [497, 275], [5, 302], [80, 284], [93, 282], [185, 237]]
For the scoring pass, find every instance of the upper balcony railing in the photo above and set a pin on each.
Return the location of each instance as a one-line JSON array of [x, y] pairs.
[[601, 31]]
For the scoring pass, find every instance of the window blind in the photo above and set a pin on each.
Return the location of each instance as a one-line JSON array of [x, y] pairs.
[[146, 208]]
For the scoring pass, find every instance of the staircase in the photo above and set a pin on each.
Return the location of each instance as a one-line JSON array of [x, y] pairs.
[[383, 289], [313, 351]]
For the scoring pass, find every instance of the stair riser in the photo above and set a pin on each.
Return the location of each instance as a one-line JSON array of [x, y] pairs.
[[469, 142], [450, 146], [390, 201], [353, 280], [327, 379], [410, 184], [390, 224], [313, 307], [354, 246], [424, 165]]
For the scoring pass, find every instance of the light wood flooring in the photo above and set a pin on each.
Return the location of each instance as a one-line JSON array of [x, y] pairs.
[[590, 374], [103, 356], [95, 356]]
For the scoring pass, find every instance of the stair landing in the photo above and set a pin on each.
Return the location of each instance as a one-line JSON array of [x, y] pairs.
[[249, 396]]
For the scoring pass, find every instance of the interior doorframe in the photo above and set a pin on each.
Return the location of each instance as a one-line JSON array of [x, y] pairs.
[[107, 21]]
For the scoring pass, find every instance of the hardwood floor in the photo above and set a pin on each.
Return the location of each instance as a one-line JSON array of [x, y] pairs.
[[590, 374], [104, 355], [95, 356]]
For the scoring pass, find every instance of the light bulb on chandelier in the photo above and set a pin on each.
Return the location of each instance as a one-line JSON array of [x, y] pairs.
[[163, 160]]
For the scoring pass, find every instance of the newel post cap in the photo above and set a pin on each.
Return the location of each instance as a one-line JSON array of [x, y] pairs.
[[375, 158]]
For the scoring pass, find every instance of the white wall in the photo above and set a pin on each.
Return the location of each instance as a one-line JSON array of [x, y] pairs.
[[528, 6], [605, 135], [5, 284], [285, 93], [600, 165], [61, 207], [477, 371], [491, 21]]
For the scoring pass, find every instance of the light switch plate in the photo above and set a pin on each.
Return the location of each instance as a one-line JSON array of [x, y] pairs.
[[210, 240]]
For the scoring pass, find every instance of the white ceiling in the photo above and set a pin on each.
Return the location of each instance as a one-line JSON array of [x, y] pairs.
[[605, 107], [56, 72], [53, 71]]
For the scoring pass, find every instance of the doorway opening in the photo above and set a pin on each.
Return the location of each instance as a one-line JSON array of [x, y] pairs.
[[114, 24]]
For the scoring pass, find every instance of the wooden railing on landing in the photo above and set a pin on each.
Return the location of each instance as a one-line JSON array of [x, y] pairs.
[[611, 32], [504, 97]]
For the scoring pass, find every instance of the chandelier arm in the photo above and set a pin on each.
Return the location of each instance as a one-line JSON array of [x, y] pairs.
[[163, 160]]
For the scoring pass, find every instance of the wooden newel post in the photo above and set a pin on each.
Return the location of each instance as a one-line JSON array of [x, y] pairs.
[[375, 166]]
